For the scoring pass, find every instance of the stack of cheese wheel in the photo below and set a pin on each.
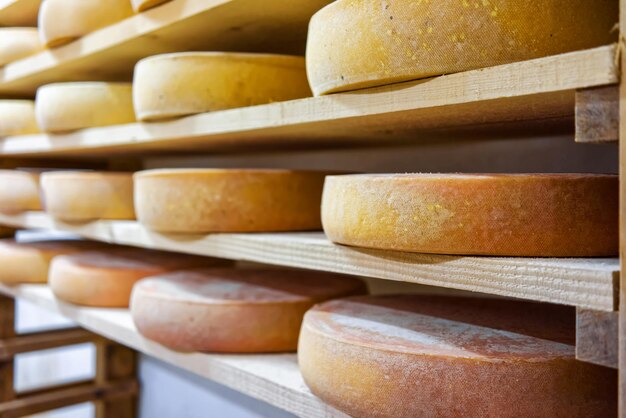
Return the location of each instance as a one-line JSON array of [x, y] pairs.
[[106, 278], [63, 107], [230, 310], [17, 117], [17, 43], [141, 5], [355, 44], [542, 215], [19, 191], [62, 21], [84, 196], [185, 83], [414, 356], [228, 200], [28, 262]]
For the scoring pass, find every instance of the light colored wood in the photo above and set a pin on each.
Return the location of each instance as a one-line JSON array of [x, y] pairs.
[[273, 378], [597, 114], [180, 25], [596, 337], [540, 90], [589, 283], [19, 12], [25, 343]]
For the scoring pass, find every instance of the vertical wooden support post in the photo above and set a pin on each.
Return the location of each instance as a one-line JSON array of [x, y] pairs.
[[622, 211], [7, 330], [115, 363]]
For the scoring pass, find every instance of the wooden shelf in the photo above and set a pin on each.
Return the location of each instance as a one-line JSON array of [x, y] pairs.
[[588, 283], [180, 25], [541, 91], [273, 378], [19, 12]]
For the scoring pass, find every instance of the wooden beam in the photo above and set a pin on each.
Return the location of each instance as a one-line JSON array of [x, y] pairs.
[[25, 343], [114, 363], [7, 330], [621, 55], [597, 115], [597, 337]]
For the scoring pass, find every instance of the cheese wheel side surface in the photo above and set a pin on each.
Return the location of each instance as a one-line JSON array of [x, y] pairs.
[[19, 191], [17, 117], [18, 43], [141, 5]]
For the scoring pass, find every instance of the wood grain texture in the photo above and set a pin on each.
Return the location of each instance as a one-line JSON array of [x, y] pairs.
[[19, 12], [586, 282], [25, 343], [273, 378], [115, 363], [597, 115], [596, 337], [541, 91]]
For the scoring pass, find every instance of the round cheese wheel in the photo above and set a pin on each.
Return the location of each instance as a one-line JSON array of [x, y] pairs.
[[106, 278], [185, 83], [428, 356], [233, 310], [228, 200], [17, 43], [541, 215], [62, 21], [17, 117], [28, 262], [355, 44], [63, 107], [83, 196], [19, 191], [141, 5]]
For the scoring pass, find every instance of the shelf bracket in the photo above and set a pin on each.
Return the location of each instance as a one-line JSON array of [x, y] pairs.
[[596, 337], [597, 115]]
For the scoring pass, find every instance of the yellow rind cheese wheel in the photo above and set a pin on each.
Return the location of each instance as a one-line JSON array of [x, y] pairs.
[[355, 44], [435, 356], [84, 196], [141, 5], [19, 191], [17, 117], [542, 215], [62, 21], [228, 200], [63, 107], [233, 310], [185, 83], [17, 43]]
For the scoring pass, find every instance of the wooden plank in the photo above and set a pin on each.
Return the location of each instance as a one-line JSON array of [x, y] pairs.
[[25, 343], [19, 12], [621, 59], [7, 330], [273, 378], [179, 25], [597, 115], [114, 363], [589, 283], [540, 90], [597, 337]]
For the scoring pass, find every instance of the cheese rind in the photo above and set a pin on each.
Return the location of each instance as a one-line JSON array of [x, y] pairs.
[[228, 200], [233, 310], [19, 191], [62, 21], [355, 44], [17, 117], [106, 278], [412, 356], [141, 5], [17, 43], [63, 107], [540, 215], [186, 83], [83, 196]]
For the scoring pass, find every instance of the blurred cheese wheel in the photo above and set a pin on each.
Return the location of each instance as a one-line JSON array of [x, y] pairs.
[[427, 356], [185, 83], [141, 5], [229, 310], [541, 215], [19, 191], [17, 117], [28, 262], [82, 196], [62, 21], [17, 43], [16, 13], [63, 107], [228, 200], [106, 278], [355, 44]]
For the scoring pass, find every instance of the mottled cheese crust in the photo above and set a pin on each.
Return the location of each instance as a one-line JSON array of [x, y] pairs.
[[19, 191], [542, 215], [17, 117], [17, 43]]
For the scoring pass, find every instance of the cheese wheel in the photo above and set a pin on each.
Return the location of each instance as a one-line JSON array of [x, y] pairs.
[[28, 262], [17, 43], [141, 5], [233, 311], [428, 356], [63, 107], [106, 278], [83, 196], [17, 117], [539, 215], [355, 44], [185, 83], [228, 200], [62, 21], [19, 191]]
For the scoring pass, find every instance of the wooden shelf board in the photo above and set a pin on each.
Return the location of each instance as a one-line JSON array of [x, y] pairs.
[[588, 282], [19, 12], [541, 91], [273, 378], [179, 25]]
